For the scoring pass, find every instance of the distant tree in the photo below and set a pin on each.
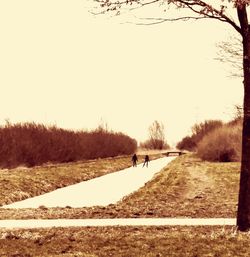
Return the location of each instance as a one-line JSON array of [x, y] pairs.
[[156, 137]]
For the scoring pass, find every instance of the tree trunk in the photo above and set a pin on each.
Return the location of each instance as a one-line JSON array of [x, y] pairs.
[[243, 215]]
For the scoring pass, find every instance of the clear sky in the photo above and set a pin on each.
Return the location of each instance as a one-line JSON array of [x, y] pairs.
[[61, 65]]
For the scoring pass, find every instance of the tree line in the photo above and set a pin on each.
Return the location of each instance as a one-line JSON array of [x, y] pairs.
[[33, 144]]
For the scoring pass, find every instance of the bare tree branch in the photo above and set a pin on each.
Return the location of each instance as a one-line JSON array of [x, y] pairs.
[[162, 20], [202, 9], [209, 11], [231, 52]]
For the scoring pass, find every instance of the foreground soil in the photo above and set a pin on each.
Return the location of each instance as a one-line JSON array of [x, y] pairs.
[[126, 242], [187, 187]]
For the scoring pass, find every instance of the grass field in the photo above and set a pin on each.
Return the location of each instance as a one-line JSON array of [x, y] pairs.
[[187, 187]]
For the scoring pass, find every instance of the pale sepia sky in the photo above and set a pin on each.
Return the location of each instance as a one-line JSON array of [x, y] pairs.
[[62, 65]]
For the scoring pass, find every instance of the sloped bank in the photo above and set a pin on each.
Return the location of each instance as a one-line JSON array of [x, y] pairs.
[[188, 187]]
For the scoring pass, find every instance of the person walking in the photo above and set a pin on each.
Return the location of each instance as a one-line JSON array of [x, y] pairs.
[[134, 160], [146, 160]]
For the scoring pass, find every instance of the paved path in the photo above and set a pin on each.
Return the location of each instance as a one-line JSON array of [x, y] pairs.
[[34, 223], [102, 191]]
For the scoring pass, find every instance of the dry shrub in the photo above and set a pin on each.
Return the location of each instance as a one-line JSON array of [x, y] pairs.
[[34, 144], [187, 143], [222, 144], [199, 131]]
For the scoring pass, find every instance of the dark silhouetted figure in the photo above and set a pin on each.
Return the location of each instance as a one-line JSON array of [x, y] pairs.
[[146, 160], [134, 160]]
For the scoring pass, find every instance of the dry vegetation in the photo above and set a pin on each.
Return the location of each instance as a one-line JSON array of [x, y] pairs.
[[125, 242], [187, 187], [222, 144], [215, 141], [33, 144]]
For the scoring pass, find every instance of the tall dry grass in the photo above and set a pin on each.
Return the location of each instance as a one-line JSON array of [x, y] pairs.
[[222, 144], [33, 144]]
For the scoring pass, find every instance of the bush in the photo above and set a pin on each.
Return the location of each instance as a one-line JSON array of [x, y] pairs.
[[198, 132], [222, 144], [34, 144], [187, 143]]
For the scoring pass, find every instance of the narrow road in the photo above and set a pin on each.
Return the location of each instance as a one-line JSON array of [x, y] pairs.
[[104, 190], [34, 223]]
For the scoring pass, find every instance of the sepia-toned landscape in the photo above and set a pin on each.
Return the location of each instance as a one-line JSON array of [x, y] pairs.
[[125, 128], [188, 187]]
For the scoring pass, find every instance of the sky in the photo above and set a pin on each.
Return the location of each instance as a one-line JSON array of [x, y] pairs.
[[62, 65]]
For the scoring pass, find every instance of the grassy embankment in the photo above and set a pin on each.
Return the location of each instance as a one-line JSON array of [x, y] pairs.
[[187, 187], [22, 182]]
